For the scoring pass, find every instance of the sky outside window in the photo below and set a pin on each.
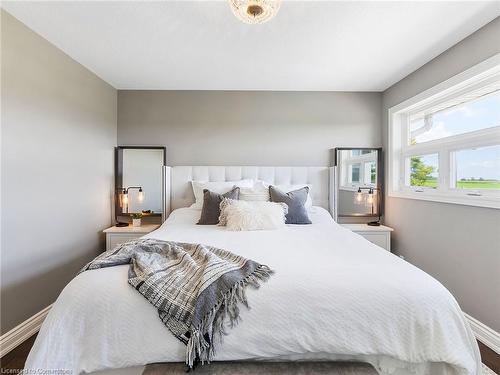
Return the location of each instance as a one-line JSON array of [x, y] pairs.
[[478, 168], [475, 115], [482, 113]]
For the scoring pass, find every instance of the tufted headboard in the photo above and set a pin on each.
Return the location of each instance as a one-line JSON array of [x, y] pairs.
[[181, 193]]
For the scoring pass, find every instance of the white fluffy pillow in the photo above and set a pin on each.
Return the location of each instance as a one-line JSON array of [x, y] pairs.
[[244, 215], [219, 187], [223, 215], [259, 192]]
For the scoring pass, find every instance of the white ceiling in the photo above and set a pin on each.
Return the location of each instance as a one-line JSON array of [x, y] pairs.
[[200, 45]]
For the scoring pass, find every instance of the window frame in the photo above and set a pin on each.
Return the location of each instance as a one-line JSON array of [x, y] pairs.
[[481, 76], [362, 160]]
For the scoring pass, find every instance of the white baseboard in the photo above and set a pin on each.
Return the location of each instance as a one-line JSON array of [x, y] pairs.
[[17, 335], [485, 334], [488, 371]]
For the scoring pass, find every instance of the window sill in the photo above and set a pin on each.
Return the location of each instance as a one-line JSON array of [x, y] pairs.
[[355, 188], [481, 201]]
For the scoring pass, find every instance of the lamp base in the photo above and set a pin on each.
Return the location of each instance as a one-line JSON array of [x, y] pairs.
[[374, 223]]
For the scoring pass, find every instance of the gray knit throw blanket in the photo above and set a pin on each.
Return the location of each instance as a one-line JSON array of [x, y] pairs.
[[197, 289]]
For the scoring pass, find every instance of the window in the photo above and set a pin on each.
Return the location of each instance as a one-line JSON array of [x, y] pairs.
[[476, 169], [361, 167], [354, 168], [370, 173], [360, 152], [469, 116], [422, 171], [445, 143]]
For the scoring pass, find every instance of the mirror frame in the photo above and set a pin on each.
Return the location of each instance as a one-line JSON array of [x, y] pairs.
[[119, 175], [380, 180]]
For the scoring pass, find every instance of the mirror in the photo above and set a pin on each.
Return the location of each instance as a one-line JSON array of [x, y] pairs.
[[358, 180], [138, 180]]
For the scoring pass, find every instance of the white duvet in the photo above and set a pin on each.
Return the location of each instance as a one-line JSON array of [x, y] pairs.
[[334, 296]]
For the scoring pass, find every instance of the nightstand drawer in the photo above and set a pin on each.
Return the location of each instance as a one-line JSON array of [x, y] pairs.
[[118, 235], [113, 240], [380, 239], [379, 235]]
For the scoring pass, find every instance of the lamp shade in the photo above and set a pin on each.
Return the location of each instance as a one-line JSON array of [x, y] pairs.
[[358, 197], [369, 199], [124, 198]]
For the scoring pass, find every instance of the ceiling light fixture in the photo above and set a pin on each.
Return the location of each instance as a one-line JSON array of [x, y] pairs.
[[255, 11]]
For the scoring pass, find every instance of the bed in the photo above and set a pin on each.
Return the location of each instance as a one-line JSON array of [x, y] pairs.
[[335, 296]]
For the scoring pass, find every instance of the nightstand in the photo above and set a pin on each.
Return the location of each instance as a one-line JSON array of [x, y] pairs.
[[380, 235], [118, 235]]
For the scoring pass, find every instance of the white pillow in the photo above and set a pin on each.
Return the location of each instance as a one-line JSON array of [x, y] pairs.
[[223, 215], [219, 187], [244, 215], [288, 188], [259, 192]]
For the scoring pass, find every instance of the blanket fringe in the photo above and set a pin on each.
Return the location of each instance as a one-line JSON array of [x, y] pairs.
[[208, 334]]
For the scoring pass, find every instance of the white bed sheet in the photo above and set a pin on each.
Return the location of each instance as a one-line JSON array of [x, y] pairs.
[[335, 296]]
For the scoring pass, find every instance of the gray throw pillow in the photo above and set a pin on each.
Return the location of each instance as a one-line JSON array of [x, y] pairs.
[[295, 200], [211, 205]]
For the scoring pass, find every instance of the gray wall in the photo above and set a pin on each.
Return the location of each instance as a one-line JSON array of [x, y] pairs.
[[57, 163], [249, 128], [459, 245], [58, 133]]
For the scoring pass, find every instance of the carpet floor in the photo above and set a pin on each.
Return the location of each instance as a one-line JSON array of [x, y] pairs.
[[259, 368], [272, 368]]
